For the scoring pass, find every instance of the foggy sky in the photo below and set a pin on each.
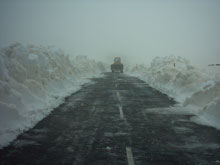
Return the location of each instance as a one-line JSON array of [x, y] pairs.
[[137, 30]]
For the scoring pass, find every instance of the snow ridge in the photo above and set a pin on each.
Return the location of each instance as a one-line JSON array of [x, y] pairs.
[[33, 81], [196, 89]]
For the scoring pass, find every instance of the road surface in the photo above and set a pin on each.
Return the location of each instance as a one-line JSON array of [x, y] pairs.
[[115, 120]]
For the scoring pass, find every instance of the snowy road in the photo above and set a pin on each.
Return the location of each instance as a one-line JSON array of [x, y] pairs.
[[112, 121]]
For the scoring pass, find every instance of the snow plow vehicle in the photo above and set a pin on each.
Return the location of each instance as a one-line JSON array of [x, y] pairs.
[[117, 66]]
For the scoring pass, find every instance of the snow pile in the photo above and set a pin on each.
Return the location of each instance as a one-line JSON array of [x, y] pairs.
[[174, 76], [34, 80], [207, 103], [189, 85], [85, 66]]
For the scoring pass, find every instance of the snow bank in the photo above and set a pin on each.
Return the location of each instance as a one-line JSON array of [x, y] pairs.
[[209, 114], [204, 96], [34, 80], [189, 85], [174, 76], [206, 102]]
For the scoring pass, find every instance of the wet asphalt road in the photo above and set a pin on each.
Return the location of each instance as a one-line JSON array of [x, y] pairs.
[[112, 122]]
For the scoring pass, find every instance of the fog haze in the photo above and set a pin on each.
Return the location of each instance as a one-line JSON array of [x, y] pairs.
[[136, 30]]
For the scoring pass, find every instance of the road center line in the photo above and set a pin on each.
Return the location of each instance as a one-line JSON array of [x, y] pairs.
[[121, 112], [129, 156], [118, 95]]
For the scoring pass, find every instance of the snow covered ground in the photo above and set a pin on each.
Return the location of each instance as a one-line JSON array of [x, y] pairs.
[[197, 89], [34, 80]]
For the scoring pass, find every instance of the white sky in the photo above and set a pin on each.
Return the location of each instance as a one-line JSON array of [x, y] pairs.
[[136, 30]]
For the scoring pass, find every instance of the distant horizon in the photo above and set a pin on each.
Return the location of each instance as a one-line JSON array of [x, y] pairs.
[[109, 59], [138, 31]]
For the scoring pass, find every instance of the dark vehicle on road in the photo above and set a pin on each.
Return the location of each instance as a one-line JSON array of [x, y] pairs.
[[117, 66]]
